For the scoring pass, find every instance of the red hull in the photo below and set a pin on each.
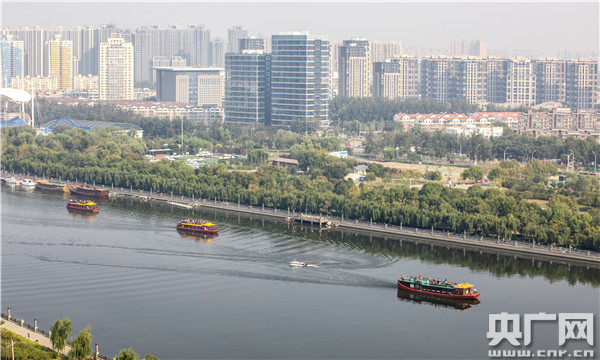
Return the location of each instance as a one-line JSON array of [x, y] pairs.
[[94, 192], [452, 296], [83, 209], [198, 231]]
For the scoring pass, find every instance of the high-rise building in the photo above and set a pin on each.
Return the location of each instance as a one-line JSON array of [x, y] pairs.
[[550, 80], [247, 87], [251, 43], [196, 44], [520, 82], [468, 79], [89, 51], [581, 83], [190, 85], [116, 70], [435, 74], [299, 79], [411, 76], [11, 60], [60, 62], [234, 35], [496, 73], [217, 52], [33, 41], [387, 79], [468, 47], [382, 51], [355, 68]]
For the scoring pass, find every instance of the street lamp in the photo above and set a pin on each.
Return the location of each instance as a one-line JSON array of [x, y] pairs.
[[504, 158], [532, 154], [572, 159]]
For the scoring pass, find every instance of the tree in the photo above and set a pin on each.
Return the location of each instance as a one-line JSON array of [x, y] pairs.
[[81, 348], [60, 333], [474, 172], [127, 354]]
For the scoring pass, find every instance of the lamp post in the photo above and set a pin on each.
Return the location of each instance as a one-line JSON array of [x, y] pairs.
[[504, 157], [572, 159], [595, 156], [532, 154]]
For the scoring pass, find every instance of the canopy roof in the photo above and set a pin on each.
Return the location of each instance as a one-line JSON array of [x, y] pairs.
[[15, 94], [463, 286]]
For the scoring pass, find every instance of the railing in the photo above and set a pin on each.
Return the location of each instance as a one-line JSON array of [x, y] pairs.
[[46, 334], [542, 249]]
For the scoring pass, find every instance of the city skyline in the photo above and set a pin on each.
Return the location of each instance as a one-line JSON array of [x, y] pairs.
[[512, 26]]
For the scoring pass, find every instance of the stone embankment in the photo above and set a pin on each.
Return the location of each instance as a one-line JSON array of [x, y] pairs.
[[388, 231]]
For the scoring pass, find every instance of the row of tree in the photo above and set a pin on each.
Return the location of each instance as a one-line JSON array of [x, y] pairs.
[[115, 161], [81, 345]]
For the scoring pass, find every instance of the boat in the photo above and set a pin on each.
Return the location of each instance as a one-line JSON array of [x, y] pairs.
[[180, 204], [197, 226], [13, 181], [89, 191], [296, 263], [28, 183], [437, 287], [50, 186], [83, 205], [436, 301]]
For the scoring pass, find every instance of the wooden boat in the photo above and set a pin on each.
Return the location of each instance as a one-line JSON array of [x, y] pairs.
[[436, 287], [89, 191], [436, 301], [83, 206], [197, 226], [50, 186]]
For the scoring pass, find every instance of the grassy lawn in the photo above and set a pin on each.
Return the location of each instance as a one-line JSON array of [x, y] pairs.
[[25, 349]]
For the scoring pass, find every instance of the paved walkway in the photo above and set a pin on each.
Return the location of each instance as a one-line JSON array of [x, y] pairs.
[[31, 335]]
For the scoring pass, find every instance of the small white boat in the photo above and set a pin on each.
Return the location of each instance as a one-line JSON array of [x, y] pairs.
[[297, 263], [27, 183], [13, 181], [180, 204]]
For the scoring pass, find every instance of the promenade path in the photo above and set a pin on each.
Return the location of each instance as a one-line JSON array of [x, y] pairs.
[[28, 332], [395, 232]]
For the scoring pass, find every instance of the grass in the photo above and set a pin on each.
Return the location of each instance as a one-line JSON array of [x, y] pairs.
[[25, 349]]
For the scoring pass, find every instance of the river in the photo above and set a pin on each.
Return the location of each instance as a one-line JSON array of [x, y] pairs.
[[140, 284]]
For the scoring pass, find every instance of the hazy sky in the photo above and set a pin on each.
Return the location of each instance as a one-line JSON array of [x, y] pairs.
[[510, 25]]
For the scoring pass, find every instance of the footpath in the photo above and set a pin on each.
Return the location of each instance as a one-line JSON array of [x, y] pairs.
[[33, 333], [396, 232]]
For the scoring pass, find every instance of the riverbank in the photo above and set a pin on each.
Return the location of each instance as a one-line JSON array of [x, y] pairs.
[[387, 231], [33, 333]]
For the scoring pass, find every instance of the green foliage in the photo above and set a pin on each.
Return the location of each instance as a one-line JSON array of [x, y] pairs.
[[81, 346], [474, 173], [376, 169], [105, 157], [60, 331], [128, 354], [433, 175], [150, 357], [24, 349]]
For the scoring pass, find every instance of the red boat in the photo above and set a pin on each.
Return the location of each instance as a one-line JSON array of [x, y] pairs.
[[83, 205], [197, 227], [89, 191], [442, 288]]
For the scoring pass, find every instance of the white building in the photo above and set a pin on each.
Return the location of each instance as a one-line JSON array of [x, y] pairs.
[[116, 70]]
